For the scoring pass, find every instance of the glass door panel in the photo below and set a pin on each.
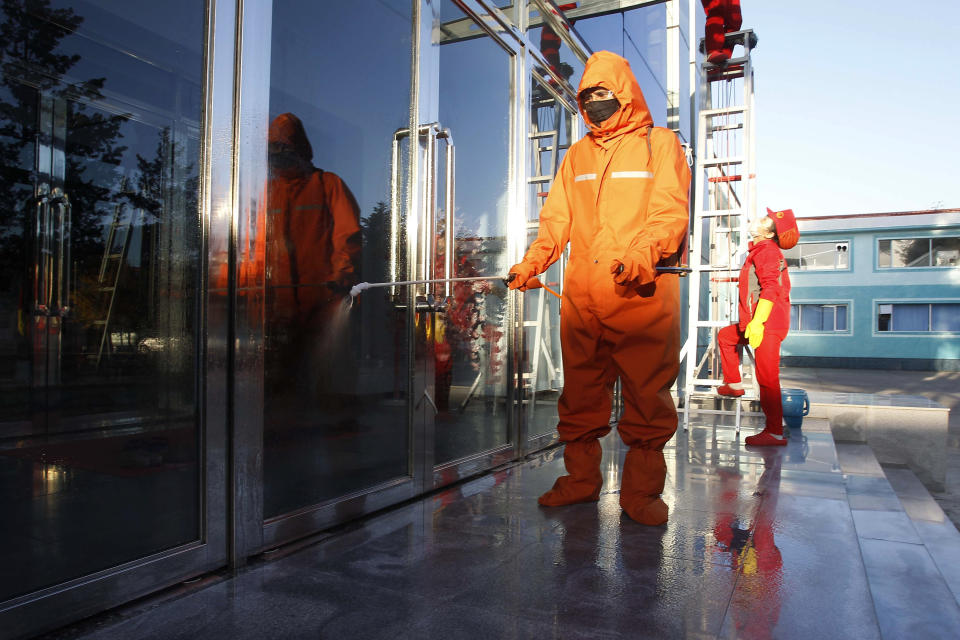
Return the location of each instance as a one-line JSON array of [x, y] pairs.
[[100, 242], [552, 127], [471, 102], [336, 376]]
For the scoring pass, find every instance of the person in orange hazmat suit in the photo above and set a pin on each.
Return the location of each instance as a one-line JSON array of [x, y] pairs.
[[311, 255], [620, 200], [723, 17], [764, 309]]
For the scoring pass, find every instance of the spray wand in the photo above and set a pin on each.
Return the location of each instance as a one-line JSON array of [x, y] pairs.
[[532, 283], [363, 286]]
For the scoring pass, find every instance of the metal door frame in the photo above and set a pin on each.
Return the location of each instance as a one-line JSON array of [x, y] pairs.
[[63, 603], [496, 25]]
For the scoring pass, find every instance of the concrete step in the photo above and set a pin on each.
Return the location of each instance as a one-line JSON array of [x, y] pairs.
[[935, 529], [910, 550]]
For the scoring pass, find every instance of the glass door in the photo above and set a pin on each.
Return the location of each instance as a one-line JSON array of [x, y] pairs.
[[326, 182], [367, 171], [467, 76], [100, 255], [553, 126]]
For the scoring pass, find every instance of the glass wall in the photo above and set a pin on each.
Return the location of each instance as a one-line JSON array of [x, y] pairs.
[[469, 341], [552, 131], [639, 36], [100, 252], [335, 381], [562, 60]]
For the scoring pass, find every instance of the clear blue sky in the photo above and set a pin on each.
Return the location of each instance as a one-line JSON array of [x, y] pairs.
[[858, 104]]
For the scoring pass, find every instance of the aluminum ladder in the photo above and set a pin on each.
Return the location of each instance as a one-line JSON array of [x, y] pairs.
[[547, 116], [725, 202], [111, 264]]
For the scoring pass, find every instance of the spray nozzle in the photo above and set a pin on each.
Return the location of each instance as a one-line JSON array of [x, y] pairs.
[[357, 288]]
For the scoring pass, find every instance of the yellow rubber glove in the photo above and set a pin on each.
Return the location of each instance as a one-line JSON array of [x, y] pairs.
[[754, 331]]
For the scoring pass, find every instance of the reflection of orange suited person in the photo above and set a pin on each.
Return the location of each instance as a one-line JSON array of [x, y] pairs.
[[620, 200], [723, 17], [312, 250]]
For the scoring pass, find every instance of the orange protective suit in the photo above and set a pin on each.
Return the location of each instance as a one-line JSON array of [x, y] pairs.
[[312, 247], [619, 198]]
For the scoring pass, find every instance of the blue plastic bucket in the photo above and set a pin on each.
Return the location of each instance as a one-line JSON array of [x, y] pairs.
[[796, 404]]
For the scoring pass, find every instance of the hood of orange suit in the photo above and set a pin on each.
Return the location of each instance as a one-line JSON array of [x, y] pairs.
[[610, 71], [287, 130]]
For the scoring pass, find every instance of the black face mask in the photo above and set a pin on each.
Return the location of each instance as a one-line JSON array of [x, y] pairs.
[[600, 110]]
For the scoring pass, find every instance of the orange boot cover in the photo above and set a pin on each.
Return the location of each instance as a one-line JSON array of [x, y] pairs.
[[582, 460], [644, 472]]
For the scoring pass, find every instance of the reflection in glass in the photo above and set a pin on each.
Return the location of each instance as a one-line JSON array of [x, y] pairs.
[[919, 252], [911, 317], [475, 107], [819, 255], [818, 317], [748, 540], [561, 59], [100, 256], [551, 128], [841, 324], [946, 252], [883, 253], [912, 252], [792, 256], [945, 317], [335, 376]]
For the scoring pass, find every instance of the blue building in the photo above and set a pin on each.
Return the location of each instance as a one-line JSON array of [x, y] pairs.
[[876, 291]]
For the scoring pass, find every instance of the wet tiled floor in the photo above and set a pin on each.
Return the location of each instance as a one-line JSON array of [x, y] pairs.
[[794, 542]]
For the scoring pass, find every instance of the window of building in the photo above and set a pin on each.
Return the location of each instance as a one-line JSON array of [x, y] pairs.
[[819, 256], [819, 318], [936, 316], [904, 253]]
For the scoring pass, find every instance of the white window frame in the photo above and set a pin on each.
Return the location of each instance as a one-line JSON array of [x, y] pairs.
[[909, 334], [930, 239], [849, 253], [826, 303]]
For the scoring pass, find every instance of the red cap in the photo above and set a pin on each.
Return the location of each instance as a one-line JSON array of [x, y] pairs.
[[787, 232]]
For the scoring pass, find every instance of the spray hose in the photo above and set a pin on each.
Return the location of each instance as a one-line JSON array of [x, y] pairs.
[[363, 286], [534, 283]]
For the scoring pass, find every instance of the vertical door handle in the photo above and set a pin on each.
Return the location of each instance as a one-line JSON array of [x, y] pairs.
[[395, 236], [449, 200], [62, 219], [42, 250], [428, 233], [420, 231]]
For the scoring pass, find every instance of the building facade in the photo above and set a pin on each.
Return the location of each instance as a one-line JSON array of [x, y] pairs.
[[876, 291], [191, 189]]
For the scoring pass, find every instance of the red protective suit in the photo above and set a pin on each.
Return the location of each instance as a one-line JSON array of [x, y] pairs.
[[763, 275], [753, 551], [620, 197], [723, 17]]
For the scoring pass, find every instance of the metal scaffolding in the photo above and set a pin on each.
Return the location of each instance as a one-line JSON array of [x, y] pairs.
[[725, 179]]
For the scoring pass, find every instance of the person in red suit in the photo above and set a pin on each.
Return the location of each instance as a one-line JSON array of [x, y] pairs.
[[764, 319], [752, 549], [723, 17]]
